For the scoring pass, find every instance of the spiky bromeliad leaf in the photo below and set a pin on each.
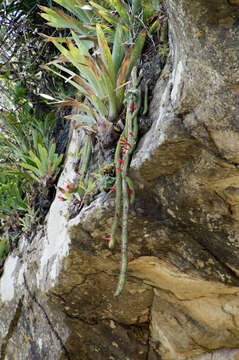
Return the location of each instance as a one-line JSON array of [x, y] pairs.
[[121, 8], [58, 19], [43, 160], [75, 56], [35, 173], [123, 74], [92, 85], [83, 44], [98, 103], [137, 51], [56, 163], [136, 6], [106, 14], [132, 54], [118, 49], [108, 71], [105, 53], [85, 119], [78, 8]]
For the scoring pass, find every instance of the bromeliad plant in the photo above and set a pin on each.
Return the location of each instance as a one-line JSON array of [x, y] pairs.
[[104, 46], [100, 78], [13, 202], [43, 165], [12, 197], [28, 148]]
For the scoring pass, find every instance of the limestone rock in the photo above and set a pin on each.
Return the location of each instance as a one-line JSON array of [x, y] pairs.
[[181, 300]]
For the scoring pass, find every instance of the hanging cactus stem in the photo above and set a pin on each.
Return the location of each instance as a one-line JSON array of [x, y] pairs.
[[123, 183], [124, 255]]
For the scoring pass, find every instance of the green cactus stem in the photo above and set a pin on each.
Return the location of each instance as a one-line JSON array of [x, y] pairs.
[[118, 185], [131, 188], [124, 239], [126, 144]]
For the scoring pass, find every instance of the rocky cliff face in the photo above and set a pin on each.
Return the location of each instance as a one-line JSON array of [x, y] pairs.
[[181, 301]]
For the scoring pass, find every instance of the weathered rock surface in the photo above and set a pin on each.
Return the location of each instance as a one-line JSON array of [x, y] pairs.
[[181, 301]]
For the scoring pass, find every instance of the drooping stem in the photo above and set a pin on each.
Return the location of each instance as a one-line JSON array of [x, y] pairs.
[[118, 185], [123, 183], [130, 132], [131, 190], [124, 255]]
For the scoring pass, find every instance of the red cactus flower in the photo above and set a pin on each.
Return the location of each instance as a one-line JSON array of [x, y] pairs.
[[120, 262], [125, 148], [121, 161], [119, 169], [107, 238], [77, 172], [60, 197], [123, 152], [116, 214], [129, 191], [125, 143], [113, 188], [68, 187], [132, 107], [131, 133], [124, 138]]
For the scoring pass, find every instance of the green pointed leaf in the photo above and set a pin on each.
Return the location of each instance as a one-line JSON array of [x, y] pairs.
[[100, 106], [30, 167], [105, 14], [43, 161], [106, 54], [73, 83], [40, 169], [88, 119], [58, 19], [73, 56], [51, 153], [83, 45], [136, 6], [57, 161], [80, 62], [123, 76], [75, 7], [137, 51], [118, 49], [121, 9]]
